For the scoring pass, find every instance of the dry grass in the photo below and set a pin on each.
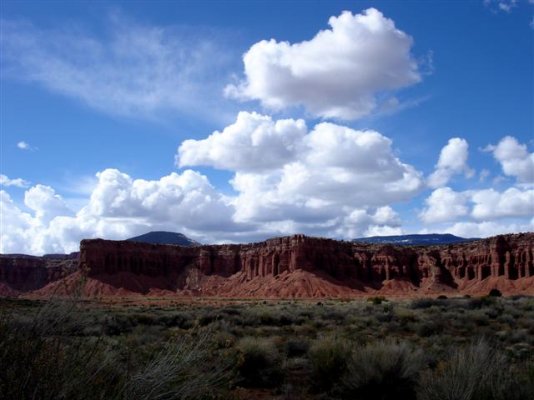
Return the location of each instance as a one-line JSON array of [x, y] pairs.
[[429, 349]]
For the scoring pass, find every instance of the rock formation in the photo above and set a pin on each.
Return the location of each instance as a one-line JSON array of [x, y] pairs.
[[22, 273], [296, 266]]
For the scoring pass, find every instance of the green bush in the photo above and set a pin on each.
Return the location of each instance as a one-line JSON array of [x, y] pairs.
[[424, 303], [382, 370], [475, 372], [259, 363], [480, 302], [328, 358], [42, 359], [38, 363], [430, 328], [376, 300], [183, 370], [297, 347]]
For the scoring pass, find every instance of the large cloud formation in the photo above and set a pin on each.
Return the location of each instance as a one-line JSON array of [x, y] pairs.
[[482, 212], [340, 73], [330, 181], [305, 180], [118, 207]]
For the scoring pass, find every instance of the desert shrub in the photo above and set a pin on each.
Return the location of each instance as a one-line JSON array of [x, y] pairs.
[[45, 361], [286, 319], [479, 317], [223, 339], [475, 372], [376, 299], [259, 363], [115, 325], [231, 311], [507, 320], [429, 328], [517, 336], [424, 303], [144, 318], [387, 313], [480, 302], [181, 320], [495, 293], [334, 315], [208, 318], [184, 369], [494, 312], [297, 347], [381, 370], [328, 358], [38, 363], [519, 351]]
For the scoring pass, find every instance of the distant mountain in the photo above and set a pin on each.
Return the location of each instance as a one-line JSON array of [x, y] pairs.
[[160, 237], [415, 240]]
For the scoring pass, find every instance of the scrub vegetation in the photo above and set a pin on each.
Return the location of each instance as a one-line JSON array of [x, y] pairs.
[[423, 349]]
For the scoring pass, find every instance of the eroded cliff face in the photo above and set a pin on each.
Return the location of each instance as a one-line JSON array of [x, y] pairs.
[[222, 269], [22, 273], [269, 258], [295, 266]]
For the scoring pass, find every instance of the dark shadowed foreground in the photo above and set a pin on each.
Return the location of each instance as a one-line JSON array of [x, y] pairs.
[[423, 349]]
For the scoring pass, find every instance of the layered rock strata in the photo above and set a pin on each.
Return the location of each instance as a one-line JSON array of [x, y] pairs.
[[296, 266], [22, 273], [360, 267]]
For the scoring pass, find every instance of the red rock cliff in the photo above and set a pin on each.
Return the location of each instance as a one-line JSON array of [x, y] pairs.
[[296, 266], [365, 267], [22, 273]]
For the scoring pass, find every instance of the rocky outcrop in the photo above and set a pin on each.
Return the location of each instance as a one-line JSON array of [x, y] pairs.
[[361, 267], [269, 258], [299, 266], [22, 273]]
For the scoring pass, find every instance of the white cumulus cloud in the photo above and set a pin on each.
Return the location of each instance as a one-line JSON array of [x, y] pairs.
[[444, 204], [253, 142], [187, 199], [447, 205], [119, 207], [311, 178], [487, 228], [46, 204], [452, 161], [340, 73], [514, 158], [329, 181], [361, 222], [513, 202], [17, 182]]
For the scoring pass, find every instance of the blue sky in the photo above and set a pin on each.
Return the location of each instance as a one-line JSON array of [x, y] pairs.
[[236, 121]]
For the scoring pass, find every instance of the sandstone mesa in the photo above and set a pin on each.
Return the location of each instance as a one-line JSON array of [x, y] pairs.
[[288, 267]]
